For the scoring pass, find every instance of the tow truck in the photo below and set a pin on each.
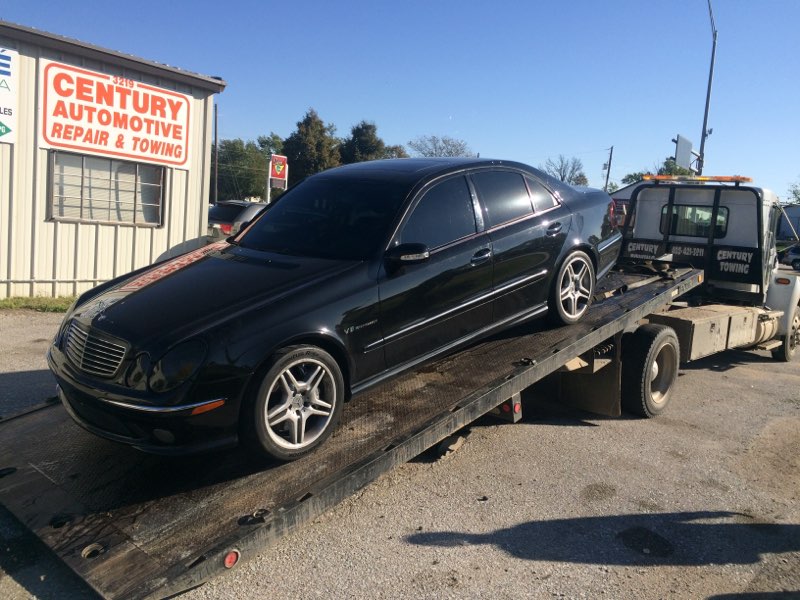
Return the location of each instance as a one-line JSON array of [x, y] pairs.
[[138, 526]]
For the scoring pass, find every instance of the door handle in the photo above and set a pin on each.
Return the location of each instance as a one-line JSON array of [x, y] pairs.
[[554, 229], [481, 255]]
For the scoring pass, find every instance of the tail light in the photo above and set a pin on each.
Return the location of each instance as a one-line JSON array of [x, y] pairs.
[[616, 214], [226, 228]]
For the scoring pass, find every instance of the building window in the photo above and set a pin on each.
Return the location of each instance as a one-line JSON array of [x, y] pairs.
[[92, 189]]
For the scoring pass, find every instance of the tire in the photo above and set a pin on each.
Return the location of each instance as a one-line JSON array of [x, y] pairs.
[[572, 290], [796, 264], [297, 405], [650, 361], [791, 340]]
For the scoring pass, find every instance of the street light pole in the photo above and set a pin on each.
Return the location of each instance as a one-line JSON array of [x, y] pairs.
[[701, 159]]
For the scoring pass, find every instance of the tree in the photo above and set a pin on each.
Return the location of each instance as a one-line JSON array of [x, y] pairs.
[[433, 145], [364, 144], [270, 144], [612, 187], [794, 193], [311, 148], [568, 170], [668, 167], [242, 169]]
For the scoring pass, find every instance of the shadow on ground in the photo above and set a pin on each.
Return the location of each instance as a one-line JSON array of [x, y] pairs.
[[686, 539]]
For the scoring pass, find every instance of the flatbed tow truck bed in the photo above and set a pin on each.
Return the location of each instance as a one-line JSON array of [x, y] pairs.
[[133, 525]]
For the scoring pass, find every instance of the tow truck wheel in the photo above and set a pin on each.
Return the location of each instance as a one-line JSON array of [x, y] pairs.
[[572, 290], [297, 405], [791, 340], [650, 359]]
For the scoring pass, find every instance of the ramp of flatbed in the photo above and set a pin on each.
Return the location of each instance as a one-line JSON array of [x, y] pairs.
[[134, 525]]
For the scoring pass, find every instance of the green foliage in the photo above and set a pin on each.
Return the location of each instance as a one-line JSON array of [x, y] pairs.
[[311, 148], [634, 177], [668, 167], [568, 170], [38, 303], [270, 144], [794, 193], [242, 169], [364, 144], [671, 168], [612, 187], [433, 145]]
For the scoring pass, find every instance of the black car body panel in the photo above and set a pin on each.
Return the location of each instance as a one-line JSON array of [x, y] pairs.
[[314, 269]]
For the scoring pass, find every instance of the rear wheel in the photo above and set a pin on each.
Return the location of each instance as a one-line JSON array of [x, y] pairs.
[[791, 340], [572, 289], [796, 264], [650, 360], [297, 405]]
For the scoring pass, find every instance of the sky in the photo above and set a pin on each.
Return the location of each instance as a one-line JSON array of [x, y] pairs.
[[521, 80]]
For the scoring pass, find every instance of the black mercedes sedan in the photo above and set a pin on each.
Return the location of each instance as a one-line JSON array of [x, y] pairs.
[[352, 276]]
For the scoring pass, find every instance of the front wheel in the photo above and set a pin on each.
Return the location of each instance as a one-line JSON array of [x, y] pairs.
[[796, 264], [650, 360], [572, 289], [786, 351], [297, 405]]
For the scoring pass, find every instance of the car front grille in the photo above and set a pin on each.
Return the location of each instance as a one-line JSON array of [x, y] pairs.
[[91, 353]]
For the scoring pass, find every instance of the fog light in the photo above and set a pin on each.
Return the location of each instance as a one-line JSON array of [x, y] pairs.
[[164, 436]]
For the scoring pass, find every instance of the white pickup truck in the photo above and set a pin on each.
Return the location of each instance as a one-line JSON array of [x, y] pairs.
[[728, 229]]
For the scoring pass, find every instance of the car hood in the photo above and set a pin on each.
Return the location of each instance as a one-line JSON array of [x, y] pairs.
[[199, 290]]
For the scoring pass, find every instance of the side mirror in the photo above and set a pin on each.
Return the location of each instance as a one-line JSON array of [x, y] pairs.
[[406, 254]]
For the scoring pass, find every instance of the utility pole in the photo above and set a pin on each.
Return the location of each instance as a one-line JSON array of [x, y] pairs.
[[216, 155], [701, 159], [608, 167]]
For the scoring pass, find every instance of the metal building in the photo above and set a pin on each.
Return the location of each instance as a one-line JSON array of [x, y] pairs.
[[105, 162]]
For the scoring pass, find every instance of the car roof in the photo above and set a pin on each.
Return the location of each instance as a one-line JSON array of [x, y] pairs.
[[409, 171]]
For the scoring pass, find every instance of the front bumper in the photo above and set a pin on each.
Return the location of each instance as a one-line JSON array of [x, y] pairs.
[[161, 428]]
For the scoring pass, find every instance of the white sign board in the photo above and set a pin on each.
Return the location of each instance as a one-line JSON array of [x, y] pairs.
[[96, 113], [9, 83]]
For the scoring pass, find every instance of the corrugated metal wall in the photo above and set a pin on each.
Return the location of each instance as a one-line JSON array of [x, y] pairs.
[[48, 258]]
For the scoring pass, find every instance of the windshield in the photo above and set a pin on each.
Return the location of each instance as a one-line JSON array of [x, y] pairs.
[[328, 218]]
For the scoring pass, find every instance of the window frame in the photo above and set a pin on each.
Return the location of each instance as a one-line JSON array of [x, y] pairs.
[[397, 237], [484, 205], [665, 219], [137, 182]]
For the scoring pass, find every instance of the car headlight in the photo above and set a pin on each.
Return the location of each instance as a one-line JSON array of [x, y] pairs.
[[176, 366], [137, 374]]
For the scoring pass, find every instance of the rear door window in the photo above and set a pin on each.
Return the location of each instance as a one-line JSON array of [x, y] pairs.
[[504, 196], [541, 198]]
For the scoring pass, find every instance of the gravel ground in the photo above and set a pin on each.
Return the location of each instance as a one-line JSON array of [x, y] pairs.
[[703, 502]]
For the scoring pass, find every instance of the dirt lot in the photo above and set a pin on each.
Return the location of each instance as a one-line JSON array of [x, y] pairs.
[[703, 502]]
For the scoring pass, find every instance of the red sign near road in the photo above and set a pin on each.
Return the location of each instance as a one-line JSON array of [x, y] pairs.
[[278, 167]]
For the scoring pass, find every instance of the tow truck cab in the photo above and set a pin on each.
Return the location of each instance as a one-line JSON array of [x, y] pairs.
[[728, 229]]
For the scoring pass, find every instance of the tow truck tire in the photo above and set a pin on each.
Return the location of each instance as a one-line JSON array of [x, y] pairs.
[[296, 406], [650, 362], [791, 340], [572, 290]]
